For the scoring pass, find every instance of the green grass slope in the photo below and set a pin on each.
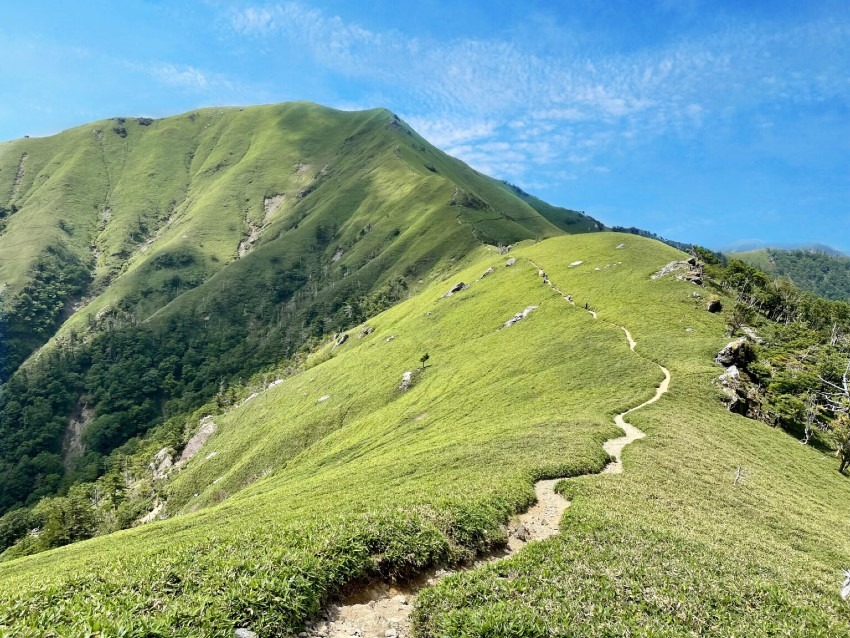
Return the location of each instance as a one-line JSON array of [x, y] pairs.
[[118, 195], [370, 480], [674, 546], [825, 274], [335, 474], [162, 258], [570, 221]]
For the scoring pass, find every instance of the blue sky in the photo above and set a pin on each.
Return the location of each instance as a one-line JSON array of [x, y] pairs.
[[713, 122]]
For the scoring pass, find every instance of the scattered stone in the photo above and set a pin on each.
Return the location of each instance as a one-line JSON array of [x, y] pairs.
[[845, 588], [341, 339], [390, 338], [367, 330], [406, 381], [521, 533], [519, 316], [689, 329], [323, 398], [489, 271], [576, 263], [456, 288], [696, 295], [245, 633], [620, 246], [511, 261], [714, 306]]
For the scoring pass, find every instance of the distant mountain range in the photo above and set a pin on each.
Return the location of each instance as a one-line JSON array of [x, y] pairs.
[[816, 268], [755, 244]]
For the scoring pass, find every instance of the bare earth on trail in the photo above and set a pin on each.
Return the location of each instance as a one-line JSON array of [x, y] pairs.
[[382, 610]]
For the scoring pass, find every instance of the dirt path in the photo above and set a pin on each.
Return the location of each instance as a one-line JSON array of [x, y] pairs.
[[383, 610]]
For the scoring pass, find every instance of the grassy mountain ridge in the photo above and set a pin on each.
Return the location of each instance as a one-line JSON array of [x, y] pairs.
[[172, 256], [305, 493]]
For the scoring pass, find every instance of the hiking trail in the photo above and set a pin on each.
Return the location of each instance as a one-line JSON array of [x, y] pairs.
[[382, 610]]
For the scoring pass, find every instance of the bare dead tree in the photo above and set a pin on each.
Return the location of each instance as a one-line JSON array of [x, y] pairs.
[[837, 397]]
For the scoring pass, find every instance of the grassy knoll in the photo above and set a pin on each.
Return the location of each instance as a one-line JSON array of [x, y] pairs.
[[370, 480], [673, 546]]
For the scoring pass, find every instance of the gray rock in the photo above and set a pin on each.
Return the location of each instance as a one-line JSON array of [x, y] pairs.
[[714, 306], [511, 261], [672, 267], [522, 533], [341, 339], [208, 428], [733, 353], [621, 246], [367, 330], [731, 375], [406, 381], [245, 633], [456, 288], [519, 316], [489, 271], [163, 462]]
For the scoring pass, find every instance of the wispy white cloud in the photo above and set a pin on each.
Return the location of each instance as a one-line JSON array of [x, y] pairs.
[[506, 108], [182, 76], [186, 77]]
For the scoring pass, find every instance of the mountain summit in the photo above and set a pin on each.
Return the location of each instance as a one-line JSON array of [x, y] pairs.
[[194, 250]]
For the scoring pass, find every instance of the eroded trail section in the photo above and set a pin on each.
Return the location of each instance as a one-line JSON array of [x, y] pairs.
[[383, 610]]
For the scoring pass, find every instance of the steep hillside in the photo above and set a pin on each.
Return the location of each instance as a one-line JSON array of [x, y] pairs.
[[163, 258], [826, 274], [718, 526]]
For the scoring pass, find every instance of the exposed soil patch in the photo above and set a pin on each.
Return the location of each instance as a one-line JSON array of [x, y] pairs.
[[19, 176]]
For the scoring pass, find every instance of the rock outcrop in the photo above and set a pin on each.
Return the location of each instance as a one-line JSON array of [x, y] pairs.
[[519, 317], [735, 353], [193, 446], [690, 270]]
